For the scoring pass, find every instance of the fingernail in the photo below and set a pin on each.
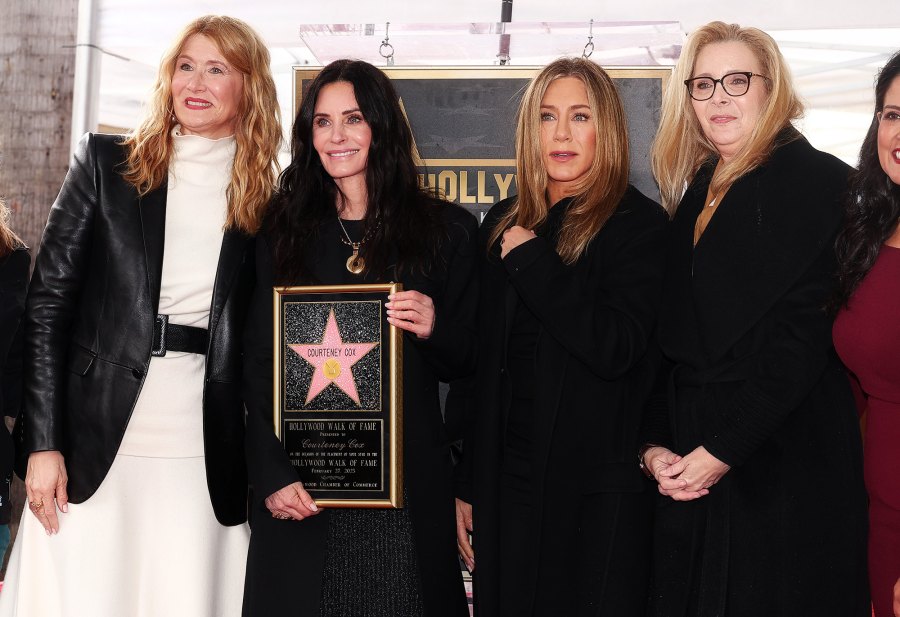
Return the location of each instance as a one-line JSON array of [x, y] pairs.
[[314, 507], [65, 507]]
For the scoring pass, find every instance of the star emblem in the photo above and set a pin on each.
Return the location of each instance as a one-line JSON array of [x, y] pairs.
[[331, 359]]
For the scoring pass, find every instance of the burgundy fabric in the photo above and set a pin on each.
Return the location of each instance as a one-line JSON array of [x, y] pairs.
[[867, 337]]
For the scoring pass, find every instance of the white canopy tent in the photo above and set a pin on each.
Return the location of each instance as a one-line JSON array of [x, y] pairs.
[[834, 48]]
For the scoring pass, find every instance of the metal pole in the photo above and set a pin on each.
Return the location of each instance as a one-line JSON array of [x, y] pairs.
[[87, 73], [505, 18]]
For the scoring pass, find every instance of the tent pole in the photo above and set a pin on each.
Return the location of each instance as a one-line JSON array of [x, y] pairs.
[[505, 18], [86, 89]]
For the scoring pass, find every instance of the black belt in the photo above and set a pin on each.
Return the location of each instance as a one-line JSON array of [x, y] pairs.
[[173, 337]]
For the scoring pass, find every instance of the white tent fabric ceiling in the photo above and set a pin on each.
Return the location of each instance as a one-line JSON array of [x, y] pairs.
[[834, 48]]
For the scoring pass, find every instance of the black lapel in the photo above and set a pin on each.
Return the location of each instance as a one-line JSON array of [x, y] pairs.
[[767, 231], [153, 228], [230, 257], [677, 322]]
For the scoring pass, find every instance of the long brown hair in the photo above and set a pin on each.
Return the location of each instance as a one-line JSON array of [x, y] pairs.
[[257, 134], [600, 190], [680, 147]]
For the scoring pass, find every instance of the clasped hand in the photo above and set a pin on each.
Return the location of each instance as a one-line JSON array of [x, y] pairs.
[[684, 478]]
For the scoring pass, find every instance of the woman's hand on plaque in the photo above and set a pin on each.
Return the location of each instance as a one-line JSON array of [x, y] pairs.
[[292, 502], [411, 311]]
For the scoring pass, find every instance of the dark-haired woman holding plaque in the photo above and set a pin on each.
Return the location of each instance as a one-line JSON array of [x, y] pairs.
[[350, 211]]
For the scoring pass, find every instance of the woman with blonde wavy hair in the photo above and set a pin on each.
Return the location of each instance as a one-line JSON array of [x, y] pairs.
[[133, 424], [753, 439], [570, 285]]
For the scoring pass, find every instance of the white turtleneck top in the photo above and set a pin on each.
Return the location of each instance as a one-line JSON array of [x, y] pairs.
[[168, 417]]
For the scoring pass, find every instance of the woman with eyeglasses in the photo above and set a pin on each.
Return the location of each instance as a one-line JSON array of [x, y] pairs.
[[753, 439], [867, 332]]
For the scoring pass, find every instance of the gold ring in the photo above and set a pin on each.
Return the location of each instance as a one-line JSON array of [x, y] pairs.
[[281, 516], [39, 505]]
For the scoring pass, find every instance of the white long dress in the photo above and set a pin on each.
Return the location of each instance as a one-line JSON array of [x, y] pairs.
[[147, 543]]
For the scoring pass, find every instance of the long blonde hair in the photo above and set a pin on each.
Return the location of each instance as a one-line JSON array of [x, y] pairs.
[[680, 147], [257, 134], [9, 241], [598, 193]]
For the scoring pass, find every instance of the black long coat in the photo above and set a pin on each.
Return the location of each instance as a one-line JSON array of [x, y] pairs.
[[286, 560], [756, 382], [89, 318], [593, 372], [13, 281]]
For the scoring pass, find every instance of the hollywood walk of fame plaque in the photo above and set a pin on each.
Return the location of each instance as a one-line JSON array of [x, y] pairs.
[[338, 401]]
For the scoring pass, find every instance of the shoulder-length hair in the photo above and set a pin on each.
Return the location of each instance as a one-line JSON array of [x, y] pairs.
[[257, 134], [598, 193], [872, 206], [9, 241], [680, 147], [400, 221]]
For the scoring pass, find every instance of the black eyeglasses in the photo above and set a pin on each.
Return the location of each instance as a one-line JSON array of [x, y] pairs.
[[734, 84]]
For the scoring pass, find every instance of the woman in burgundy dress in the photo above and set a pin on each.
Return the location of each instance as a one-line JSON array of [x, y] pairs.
[[867, 329]]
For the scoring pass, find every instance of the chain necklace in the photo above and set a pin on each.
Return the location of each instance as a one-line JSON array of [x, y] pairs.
[[355, 263]]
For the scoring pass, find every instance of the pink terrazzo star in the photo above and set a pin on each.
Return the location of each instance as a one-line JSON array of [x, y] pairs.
[[332, 359]]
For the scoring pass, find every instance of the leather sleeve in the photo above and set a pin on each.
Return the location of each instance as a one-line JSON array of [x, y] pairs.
[[52, 300]]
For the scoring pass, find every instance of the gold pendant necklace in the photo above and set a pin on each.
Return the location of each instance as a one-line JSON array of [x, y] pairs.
[[355, 263]]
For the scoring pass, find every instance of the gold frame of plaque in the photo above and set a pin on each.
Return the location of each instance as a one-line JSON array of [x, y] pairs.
[[338, 392]]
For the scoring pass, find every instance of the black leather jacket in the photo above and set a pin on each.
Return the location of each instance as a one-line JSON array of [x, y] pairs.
[[89, 323]]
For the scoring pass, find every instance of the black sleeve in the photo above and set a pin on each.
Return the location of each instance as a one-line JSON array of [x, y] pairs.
[[461, 402], [451, 349], [268, 466], [13, 281], [605, 320], [655, 423], [52, 300], [786, 369]]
